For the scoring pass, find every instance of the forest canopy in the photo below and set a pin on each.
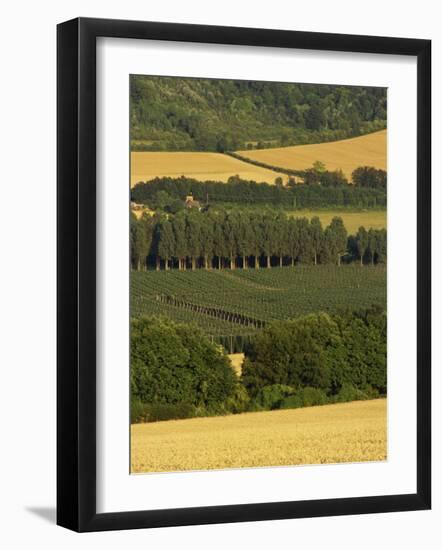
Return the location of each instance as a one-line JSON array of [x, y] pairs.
[[186, 114]]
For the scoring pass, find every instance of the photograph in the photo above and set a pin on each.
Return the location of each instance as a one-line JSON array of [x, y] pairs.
[[258, 274]]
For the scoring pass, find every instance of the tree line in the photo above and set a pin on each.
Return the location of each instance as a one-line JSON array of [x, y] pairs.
[[177, 372], [363, 176], [239, 191], [219, 239]]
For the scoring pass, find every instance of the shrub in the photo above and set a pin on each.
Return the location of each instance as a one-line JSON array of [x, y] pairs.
[[239, 401], [173, 363], [293, 353], [137, 411], [350, 393], [270, 397], [320, 351], [305, 397], [165, 411], [292, 402]]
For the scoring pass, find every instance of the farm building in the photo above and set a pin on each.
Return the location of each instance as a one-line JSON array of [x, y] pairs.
[[190, 202]]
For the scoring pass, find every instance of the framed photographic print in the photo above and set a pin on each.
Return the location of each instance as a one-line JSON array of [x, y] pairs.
[[243, 274]]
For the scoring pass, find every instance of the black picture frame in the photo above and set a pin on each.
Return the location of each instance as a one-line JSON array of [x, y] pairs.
[[76, 274]]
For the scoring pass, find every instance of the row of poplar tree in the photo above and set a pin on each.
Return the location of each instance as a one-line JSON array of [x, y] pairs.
[[240, 239]]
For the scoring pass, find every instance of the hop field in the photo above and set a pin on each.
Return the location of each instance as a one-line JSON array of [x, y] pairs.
[[239, 302], [347, 432]]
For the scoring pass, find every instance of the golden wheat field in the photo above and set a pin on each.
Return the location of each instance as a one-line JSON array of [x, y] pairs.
[[345, 432], [347, 154], [370, 219], [201, 166]]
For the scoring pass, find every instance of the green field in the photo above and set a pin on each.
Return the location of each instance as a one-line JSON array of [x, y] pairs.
[[239, 302], [353, 220]]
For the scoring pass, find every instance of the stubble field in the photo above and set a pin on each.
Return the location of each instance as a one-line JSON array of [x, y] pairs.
[[345, 432], [346, 154], [201, 166]]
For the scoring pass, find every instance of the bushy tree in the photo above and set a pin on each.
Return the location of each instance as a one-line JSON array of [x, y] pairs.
[[174, 363], [320, 351], [367, 176]]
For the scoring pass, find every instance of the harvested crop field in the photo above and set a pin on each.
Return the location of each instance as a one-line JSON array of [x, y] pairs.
[[347, 154], [345, 432], [201, 166]]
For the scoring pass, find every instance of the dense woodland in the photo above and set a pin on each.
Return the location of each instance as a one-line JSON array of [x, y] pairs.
[[185, 114], [218, 239], [177, 372]]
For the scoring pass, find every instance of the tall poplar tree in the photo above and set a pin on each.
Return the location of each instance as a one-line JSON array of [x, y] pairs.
[[293, 239], [361, 243], [338, 238], [207, 237], [179, 232], [194, 236], [166, 242], [316, 237]]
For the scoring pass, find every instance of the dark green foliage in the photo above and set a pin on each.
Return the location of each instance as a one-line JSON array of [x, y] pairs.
[[350, 393], [270, 397], [293, 353], [141, 240], [369, 177], [174, 363], [305, 397], [242, 192], [313, 360], [144, 412], [324, 178], [223, 115], [361, 242], [334, 242], [166, 411], [138, 410], [242, 238], [320, 351], [239, 401]]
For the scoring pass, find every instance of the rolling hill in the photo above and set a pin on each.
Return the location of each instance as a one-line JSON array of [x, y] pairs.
[[193, 114], [347, 154]]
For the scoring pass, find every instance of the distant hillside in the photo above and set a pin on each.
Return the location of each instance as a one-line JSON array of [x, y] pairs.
[[183, 114]]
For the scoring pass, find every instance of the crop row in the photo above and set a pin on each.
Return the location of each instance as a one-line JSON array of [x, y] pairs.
[[266, 295]]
